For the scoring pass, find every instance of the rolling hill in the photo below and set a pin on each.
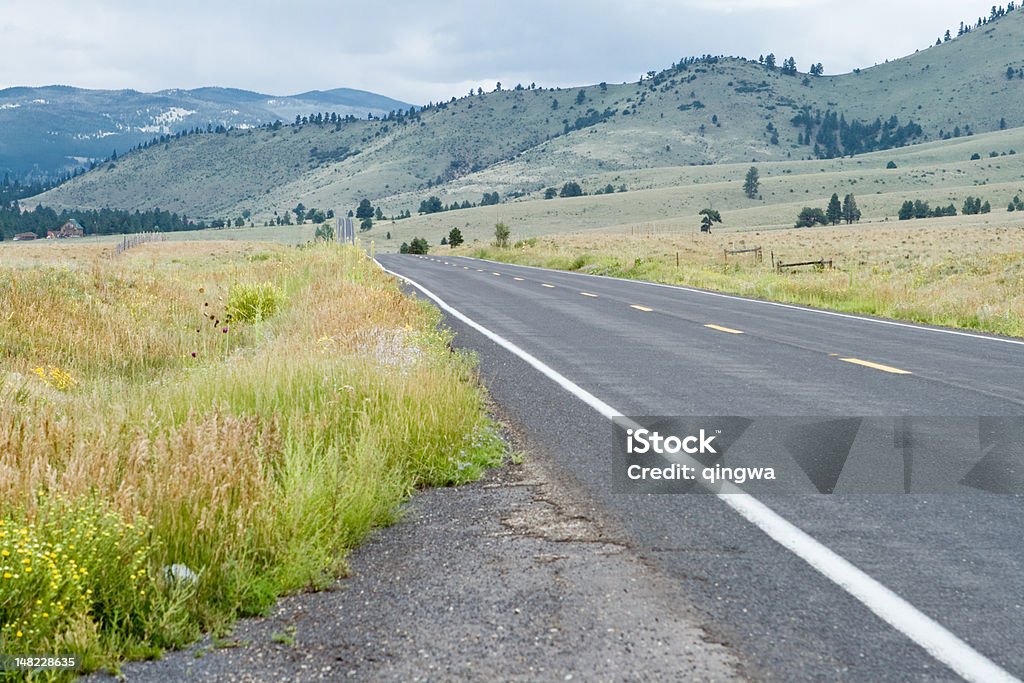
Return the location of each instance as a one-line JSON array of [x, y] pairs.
[[53, 129], [701, 122]]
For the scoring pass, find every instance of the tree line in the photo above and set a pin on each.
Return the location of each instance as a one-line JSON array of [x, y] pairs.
[[94, 222], [972, 206], [997, 12]]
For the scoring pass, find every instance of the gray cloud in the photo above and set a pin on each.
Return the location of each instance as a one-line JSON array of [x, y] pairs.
[[420, 51]]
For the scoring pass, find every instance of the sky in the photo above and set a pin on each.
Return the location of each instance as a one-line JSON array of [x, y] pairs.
[[426, 50]]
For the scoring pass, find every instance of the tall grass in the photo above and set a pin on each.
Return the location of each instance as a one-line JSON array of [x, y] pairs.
[[968, 277], [254, 453]]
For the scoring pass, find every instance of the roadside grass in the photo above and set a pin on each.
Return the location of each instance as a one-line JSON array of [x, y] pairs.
[[165, 469], [967, 276]]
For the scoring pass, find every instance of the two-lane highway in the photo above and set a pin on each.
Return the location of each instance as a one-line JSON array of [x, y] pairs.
[[647, 349]]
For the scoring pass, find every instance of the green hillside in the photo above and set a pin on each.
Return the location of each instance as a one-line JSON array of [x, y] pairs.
[[700, 122]]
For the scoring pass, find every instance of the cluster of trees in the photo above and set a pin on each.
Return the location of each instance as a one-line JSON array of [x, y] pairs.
[[365, 214], [788, 67], [418, 245], [1016, 204], [833, 136], [973, 206], [956, 132], [655, 79], [19, 188], [301, 213], [94, 222], [836, 212], [591, 117], [920, 209], [573, 189], [321, 119], [433, 204]]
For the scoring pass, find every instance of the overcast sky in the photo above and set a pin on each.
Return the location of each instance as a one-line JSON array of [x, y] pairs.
[[422, 50]]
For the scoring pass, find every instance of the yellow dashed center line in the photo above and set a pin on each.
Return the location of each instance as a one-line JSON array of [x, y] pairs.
[[641, 308], [592, 296], [547, 285], [727, 330], [876, 366]]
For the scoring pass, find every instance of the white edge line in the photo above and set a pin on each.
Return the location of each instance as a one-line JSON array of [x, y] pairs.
[[932, 636], [779, 304]]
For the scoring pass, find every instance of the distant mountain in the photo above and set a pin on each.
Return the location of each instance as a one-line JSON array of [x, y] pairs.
[[520, 141], [53, 129]]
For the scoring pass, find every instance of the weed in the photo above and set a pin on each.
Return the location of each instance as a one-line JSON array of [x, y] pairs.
[[256, 471]]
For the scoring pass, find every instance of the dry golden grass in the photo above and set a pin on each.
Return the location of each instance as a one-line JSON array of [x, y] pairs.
[[260, 459], [968, 276]]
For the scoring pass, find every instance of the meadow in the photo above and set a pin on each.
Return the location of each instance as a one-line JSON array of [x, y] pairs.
[[190, 429], [968, 274]]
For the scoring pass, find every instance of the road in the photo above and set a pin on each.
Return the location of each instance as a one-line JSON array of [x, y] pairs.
[[861, 586]]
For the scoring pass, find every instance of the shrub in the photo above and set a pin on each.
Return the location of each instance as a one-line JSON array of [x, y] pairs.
[[324, 232], [253, 302], [419, 245], [501, 235]]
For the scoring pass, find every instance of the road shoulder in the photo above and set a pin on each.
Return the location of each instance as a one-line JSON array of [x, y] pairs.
[[512, 578]]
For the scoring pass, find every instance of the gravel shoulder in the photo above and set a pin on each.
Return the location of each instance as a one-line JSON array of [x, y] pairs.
[[514, 577]]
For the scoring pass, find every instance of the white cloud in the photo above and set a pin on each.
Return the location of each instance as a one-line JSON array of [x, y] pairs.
[[419, 51]]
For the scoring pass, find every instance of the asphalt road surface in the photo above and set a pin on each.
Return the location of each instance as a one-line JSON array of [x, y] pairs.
[[850, 586]]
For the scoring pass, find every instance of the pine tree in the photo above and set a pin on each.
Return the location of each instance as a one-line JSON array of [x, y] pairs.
[[455, 238], [365, 209], [851, 214], [751, 182], [834, 212], [708, 218]]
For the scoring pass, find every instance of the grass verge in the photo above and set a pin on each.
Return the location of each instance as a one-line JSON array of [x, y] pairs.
[[966, 277], [166, 466]]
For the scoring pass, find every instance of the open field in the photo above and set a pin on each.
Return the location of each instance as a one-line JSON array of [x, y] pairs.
[[192, 428], [968, 274], [86, 249], [669, 199]]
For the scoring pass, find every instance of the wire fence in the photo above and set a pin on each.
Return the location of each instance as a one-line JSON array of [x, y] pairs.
[[135, 240]]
